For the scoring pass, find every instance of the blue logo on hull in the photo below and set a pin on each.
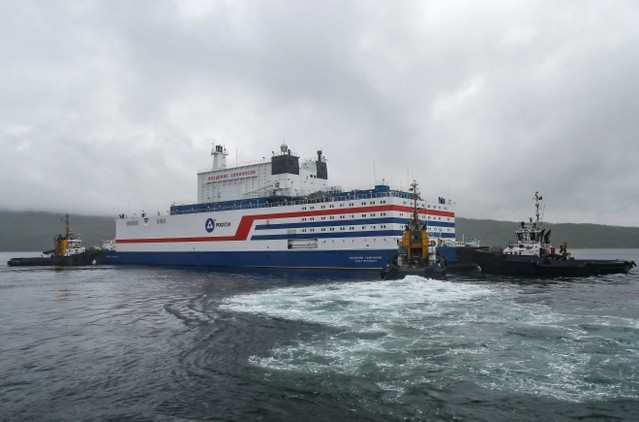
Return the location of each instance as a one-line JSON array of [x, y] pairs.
[[209, 225]]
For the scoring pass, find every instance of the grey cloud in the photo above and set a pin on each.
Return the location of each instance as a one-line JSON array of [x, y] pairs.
[[110, 106]]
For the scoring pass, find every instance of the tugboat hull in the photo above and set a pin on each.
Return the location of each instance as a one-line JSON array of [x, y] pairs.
[[395, 272], [90, 257], [533, 266]]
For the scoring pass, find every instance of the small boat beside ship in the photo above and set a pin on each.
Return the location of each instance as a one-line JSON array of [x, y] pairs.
[[68, 251], [414, 257], [532, 255]]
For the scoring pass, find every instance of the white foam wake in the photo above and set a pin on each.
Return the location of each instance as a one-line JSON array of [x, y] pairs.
[[414, 331]]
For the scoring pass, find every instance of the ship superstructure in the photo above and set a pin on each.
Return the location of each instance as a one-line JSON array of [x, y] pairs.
[[532, 238], [68, 244], [283, 175], [281, 212]]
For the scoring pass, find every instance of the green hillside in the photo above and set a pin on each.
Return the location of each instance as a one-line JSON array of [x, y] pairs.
[[34, 231], [492, 233]]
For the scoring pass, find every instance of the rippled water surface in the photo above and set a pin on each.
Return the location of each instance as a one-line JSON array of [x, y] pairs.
[[111, 343]]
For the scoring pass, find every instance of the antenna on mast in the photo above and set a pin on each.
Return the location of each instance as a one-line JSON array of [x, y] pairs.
[[67, 227], [538, 198], [413, 189]]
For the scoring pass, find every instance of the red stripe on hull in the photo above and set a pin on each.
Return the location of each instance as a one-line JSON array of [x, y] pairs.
[[246, 222]]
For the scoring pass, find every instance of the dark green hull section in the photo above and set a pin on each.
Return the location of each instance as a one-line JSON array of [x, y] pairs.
[[533, 266], [90, 257]]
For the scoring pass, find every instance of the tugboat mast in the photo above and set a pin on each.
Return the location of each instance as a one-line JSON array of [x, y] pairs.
[[413, 188], [67, 227], [538, 198]]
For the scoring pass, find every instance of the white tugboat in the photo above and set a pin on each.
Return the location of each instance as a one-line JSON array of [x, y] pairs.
[[532, 254], [531, 239]]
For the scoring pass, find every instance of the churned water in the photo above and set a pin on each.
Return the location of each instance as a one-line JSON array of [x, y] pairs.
[[110, 343]]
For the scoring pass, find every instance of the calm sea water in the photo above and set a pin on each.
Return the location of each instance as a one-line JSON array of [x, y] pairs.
[[168, 344]]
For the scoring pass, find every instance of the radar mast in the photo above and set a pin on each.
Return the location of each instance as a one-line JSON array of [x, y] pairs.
[[538, 198]]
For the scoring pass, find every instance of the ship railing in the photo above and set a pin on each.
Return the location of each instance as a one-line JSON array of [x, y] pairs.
[[270, 203]]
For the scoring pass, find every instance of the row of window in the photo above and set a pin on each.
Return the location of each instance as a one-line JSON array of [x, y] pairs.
[[352, 204], [342, 217], [343, 228], [430, 207], [381, 214], [372, 239]]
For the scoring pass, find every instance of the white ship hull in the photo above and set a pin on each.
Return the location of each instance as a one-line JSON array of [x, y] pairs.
[[354, 230]]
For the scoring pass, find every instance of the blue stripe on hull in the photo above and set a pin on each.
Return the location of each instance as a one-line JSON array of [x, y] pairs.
[[352, 259], [349, 222], [325, 235], [378, 233]]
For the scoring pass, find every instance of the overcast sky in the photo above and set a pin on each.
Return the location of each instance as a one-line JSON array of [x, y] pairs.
[[111, 106]]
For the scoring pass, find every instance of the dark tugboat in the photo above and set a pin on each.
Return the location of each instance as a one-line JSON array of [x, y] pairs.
[[532, 255], [413, 257], [68, 251]]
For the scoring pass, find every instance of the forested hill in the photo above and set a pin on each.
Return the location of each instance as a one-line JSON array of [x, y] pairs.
[[492, 233], [34, 231]]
